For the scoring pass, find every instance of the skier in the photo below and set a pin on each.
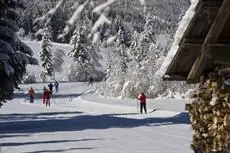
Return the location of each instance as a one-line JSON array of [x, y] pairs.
[[142, 99], [51, 87], [90, 81], [47, 94], [31, 94], [56, 84]]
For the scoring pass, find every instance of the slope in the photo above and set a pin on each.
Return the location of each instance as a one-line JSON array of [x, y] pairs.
[[78, 121]]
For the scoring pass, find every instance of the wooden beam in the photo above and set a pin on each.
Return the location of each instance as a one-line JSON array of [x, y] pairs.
[[192, 45], [212, 37], [218, 24], [222, 62], [191, 40], [213, 47], [219, 45], [212, 3]]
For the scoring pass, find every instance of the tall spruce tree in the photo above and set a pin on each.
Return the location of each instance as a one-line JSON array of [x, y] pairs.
[[85, 56], [118, 64], [144, 58], [46, 57], [122, 55], [79, 55], [14, 54]]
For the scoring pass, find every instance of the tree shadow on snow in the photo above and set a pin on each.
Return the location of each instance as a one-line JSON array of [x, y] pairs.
[[85, 122], [13, 135], [62, 150], [43, 142], [16, 116]]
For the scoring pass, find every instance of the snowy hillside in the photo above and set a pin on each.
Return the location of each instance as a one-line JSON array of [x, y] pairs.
[[81, 122], [60, 76], [136, 35]]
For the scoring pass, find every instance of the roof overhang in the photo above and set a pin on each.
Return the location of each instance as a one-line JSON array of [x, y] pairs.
[[205, 43]]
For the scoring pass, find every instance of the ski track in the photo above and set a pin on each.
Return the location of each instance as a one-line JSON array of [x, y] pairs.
[[102, 133]]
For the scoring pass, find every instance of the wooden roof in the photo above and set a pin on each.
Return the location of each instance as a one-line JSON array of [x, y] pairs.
[[205, 43]]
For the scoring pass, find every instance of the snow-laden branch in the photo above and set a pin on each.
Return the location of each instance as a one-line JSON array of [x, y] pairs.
[[100, 8], [111, 39], [47, 17], [45, 20], [143, 2], [75, 17], [100, 22]]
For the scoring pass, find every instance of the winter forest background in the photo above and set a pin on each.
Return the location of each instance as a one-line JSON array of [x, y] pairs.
[[131, 37]]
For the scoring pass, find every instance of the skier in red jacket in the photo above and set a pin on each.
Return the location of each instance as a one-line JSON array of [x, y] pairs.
[[46, 95], [142, 99], [31, 94]]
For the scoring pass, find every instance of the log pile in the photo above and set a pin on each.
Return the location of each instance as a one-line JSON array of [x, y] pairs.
[[210, 116]]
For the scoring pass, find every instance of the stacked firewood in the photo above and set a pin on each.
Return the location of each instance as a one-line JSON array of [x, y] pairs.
[[210, 116]]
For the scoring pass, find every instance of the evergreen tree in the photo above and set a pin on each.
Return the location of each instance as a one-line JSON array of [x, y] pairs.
[[117, 71], [145, 60], [14, 54], [83, 56], [120, 54], [46, 57], [79, 54], [138, 48], [123, 57]]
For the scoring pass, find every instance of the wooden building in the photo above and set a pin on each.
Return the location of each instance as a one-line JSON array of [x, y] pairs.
[[205, 44], [204, 57]]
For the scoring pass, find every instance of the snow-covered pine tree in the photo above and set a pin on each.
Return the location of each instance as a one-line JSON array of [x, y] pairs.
[[123, 57], [82, 68], [139, 48], [46, 56], [146, 57], [119, 66], [14, 54], [79, 55]]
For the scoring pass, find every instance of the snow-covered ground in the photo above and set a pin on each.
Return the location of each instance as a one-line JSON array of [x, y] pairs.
[[80, 121]]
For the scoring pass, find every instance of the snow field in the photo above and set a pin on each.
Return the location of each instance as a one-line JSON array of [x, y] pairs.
[[90, 124]]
